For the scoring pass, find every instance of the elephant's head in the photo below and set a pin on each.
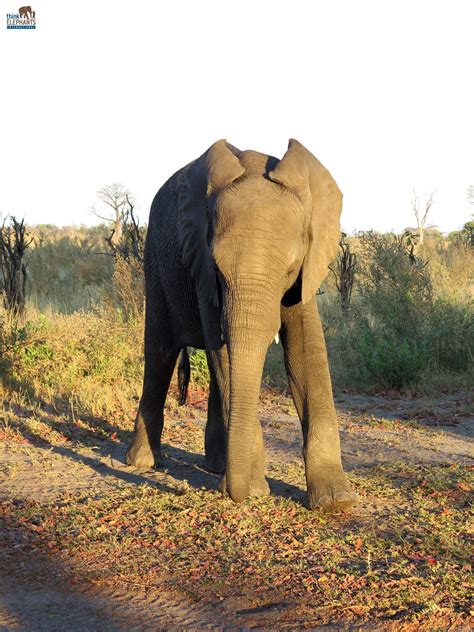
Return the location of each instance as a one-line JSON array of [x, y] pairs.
[[25, 12], [255, 231]]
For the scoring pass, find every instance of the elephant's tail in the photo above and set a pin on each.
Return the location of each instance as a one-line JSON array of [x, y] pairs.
[[184, 375]]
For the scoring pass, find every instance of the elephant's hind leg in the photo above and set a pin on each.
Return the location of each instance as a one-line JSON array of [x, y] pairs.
[[145, 447], [160, 359]]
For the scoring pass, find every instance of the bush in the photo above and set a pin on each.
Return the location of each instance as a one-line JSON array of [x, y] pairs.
[[93, 359], [410, 321], [394, 286], [387, 334], [451, 268], [126, 292], [274, 372], [384, 359], [450, 338], [410, 318]]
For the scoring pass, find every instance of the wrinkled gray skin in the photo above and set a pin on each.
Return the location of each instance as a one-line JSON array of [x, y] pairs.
[[238, 243]]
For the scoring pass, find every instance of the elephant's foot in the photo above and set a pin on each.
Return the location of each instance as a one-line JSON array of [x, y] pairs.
[[215, 463], [329, 490], [140, 454], [258, 486]]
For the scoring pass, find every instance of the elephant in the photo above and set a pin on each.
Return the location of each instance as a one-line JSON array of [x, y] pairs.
[[238, 244], [26, 12]]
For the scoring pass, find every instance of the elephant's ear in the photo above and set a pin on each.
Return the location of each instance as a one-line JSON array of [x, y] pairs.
[[303, 174], [218, 167]]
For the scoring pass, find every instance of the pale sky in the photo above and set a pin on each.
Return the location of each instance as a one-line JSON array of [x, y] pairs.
[[381, 92]]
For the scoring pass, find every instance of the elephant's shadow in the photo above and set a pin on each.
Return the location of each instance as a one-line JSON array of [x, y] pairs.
[[182, 468]]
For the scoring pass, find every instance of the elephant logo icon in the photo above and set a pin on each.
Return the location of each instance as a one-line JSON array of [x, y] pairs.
[[24, 19], [26, 12]]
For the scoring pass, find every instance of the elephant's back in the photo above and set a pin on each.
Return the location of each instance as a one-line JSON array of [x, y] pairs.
[[164, 270], [162, 223]]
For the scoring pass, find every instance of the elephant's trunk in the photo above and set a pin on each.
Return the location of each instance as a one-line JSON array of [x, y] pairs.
[[249, 333]]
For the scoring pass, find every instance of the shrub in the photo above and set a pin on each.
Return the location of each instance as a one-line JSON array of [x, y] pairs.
[[126, 293], [384, 359], [274, 372], [451, 268], [411, 319], [384, 342], [450, 337], [394, 285], [93, 359], [127, 244]]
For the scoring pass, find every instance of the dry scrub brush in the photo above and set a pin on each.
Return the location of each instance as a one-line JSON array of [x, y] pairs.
[[92, 359], [410, 323], [411, 317]]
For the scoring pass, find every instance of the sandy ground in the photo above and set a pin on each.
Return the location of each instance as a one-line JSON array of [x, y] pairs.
[[37, 594]]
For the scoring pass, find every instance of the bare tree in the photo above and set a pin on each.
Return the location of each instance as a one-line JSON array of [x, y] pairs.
[[132, 236], [421, 214], [344, 268], [116, 197], [14, 240], [128, 278]]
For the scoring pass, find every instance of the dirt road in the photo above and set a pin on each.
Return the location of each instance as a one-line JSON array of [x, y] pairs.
[[41, 592]]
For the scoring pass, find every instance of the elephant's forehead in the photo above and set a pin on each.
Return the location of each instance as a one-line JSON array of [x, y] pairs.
[[257, 191], [250, 187], [259, 203]]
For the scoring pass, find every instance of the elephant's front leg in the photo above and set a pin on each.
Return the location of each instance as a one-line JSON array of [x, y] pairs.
[[310, 382], [215, 440]]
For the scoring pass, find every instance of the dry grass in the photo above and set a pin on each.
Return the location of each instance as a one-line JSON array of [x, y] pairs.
[[92, 361], [414, 331]]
